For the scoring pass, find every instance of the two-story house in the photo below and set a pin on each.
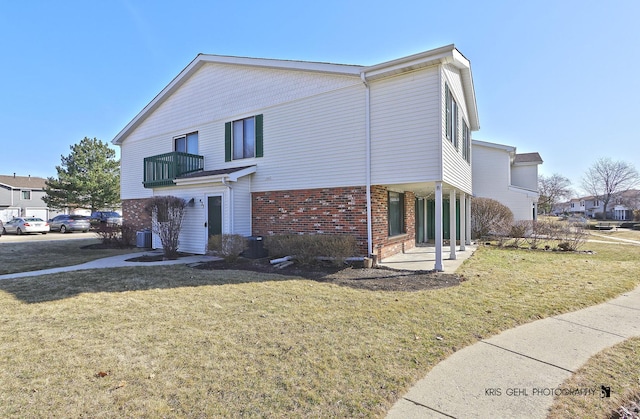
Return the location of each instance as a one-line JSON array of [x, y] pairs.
[[22, 196], [506, 176], [264, 146]]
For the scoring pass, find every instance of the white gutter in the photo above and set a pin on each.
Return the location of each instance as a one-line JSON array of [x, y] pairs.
[[367, 118]]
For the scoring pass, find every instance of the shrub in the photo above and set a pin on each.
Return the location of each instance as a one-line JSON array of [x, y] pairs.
[[489, 217], [229, 246], [308, 248], [167, 213], [519, 232], [537, 232], [116, 236], [571, 236]]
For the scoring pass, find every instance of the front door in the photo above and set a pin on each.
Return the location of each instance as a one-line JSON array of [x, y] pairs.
[[214, 215]]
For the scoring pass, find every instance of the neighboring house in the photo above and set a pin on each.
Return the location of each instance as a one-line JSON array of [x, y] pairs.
[[509, 178], [620, 207], [21, 196], [262, 147], [625, 204]]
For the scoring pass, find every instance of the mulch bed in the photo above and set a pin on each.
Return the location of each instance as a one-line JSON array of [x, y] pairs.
[[375, 279]]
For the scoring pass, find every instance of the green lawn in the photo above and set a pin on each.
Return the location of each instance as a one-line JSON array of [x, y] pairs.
[[180, 342]]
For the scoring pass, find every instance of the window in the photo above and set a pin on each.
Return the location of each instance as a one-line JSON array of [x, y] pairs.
[[243, 138], [26, 195], [396, 213], [451, 117], [466, 142], [187, 143]]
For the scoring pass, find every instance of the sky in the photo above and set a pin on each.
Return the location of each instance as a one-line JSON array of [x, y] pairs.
[[557, 77]]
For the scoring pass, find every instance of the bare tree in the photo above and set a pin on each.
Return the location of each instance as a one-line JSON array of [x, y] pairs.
[[167, 213], [606, 178], [552, 190]]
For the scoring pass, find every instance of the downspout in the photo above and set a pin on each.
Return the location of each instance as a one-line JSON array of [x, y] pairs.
[[224, 182], [367, 119]]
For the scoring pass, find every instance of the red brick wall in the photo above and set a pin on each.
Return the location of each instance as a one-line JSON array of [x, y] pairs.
[[333, 211], [312, 211], [383, 245], [133, 213]]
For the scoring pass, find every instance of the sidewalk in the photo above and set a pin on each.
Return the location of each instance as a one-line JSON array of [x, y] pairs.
[[514, 373], [113, 262]]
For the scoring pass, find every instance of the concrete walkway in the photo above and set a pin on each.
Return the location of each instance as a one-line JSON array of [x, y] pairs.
[[114, 262], [423, 258], [516, 373]]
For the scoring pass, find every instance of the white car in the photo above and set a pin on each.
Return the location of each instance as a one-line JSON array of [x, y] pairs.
[[22, 225]]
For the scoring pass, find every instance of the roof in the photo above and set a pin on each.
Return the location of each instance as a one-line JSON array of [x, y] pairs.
[[218, 172], [443, 55], [528, 158], [220, 175], [22, 182], [507, 148]]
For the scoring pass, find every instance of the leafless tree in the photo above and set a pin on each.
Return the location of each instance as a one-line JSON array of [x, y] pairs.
[[606, 178], [552, 189], [167, 213]]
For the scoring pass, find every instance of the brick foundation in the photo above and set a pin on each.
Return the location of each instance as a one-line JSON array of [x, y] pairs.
[[333, 211], [133, 213], [312, 211]]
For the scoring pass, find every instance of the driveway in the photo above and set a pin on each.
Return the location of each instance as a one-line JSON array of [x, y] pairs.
[[14, 238]]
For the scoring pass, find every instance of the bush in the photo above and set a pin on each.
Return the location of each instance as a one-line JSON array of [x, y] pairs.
[[117, 236], [571, 236], [490, 218], [308, 248], [229, 246], [519, 232]]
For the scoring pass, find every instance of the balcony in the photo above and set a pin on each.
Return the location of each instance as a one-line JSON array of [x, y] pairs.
[[163, 169]]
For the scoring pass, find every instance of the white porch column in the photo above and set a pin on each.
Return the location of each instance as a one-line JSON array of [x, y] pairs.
[[452, 224], [468, 235], [463, 221], [438, 223]]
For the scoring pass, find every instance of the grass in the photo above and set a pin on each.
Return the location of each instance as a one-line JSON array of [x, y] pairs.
[[621, 233], [617, 367], [180, 342], [32, 256]]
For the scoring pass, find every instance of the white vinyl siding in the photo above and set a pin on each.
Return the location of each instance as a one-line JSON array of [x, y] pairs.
[[310, 119], [405, 132], [314, 142], [492, 179], [193, 236], [456, 171]]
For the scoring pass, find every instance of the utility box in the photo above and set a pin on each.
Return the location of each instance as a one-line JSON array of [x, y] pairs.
[[143, 239], [255, 248]]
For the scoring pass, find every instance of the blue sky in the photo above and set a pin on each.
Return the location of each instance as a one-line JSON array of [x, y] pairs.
[[558, 77]]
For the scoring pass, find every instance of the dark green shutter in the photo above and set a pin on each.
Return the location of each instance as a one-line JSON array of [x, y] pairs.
[[259, 145], [227, 141]]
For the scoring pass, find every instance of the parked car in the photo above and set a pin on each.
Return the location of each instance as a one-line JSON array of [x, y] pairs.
[[21, 225], [107, 217], [64, 223]]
